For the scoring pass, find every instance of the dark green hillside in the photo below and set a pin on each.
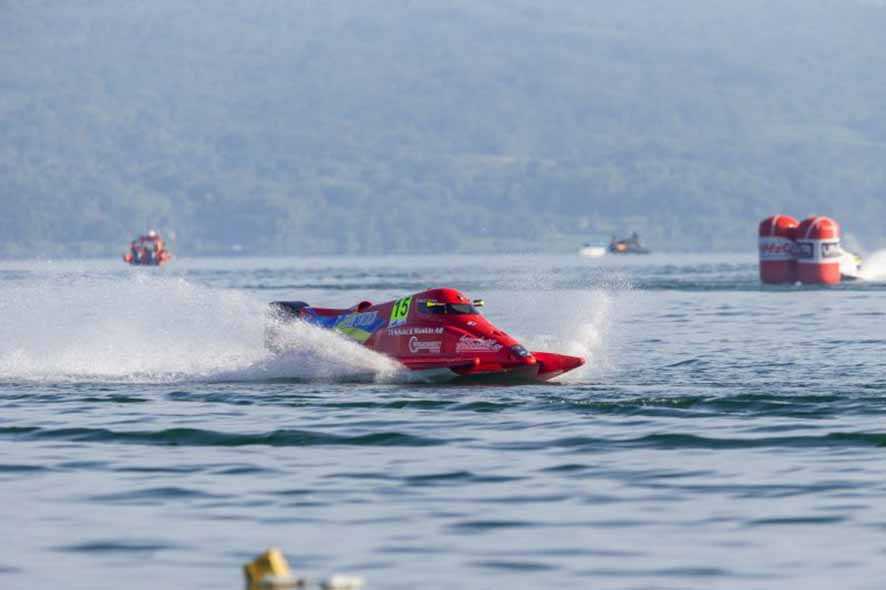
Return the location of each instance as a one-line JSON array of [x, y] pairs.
[[294, 127]]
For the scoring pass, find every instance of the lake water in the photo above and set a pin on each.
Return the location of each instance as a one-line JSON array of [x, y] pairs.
[[722, 435]]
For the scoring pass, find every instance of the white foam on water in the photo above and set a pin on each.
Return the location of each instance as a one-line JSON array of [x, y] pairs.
[[311, 353], [874, 267], [576, 322], [145, 328], [581, 327]]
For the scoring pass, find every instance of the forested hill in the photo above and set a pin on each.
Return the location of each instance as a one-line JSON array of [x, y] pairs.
[[293, 126]]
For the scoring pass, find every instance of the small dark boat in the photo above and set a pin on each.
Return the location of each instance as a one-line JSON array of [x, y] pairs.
[[629, 245]]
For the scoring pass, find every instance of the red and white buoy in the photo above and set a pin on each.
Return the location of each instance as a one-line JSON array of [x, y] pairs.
[[776, 240], [818, 251]]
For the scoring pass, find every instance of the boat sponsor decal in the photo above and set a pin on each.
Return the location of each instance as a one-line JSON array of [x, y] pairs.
[[804, 250], [818, 251], [400, 311], [324, 321], [777, 249], [414, 331], [471, 344], [417, 346], [358, 320], [359, 326], [831, 250]]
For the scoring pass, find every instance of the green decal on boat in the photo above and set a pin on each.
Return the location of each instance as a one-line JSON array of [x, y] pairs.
[[400, 311]]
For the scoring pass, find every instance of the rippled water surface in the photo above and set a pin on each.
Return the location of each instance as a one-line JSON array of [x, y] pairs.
[[722, 435]]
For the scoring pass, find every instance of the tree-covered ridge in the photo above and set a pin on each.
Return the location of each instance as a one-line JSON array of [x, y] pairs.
[[382, 126]]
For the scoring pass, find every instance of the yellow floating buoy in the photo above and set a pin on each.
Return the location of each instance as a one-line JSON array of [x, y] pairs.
[[269, 570]]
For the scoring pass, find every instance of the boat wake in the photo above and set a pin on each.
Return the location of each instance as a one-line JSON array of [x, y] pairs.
[[147, 329], [310, 353]]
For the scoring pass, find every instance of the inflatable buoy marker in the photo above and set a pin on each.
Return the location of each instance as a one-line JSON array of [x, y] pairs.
[[269, 570], [778, 263], [818, 251]]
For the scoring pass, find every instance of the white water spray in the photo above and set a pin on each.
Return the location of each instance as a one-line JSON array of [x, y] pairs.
[[311, 353], [572, 321], [144, 328], [581, 327], [874, 267]]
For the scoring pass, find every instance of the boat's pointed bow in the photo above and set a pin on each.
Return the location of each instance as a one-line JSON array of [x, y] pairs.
[[553, 364]]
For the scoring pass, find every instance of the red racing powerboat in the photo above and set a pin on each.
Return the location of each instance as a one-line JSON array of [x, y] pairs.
[[439, 330]]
